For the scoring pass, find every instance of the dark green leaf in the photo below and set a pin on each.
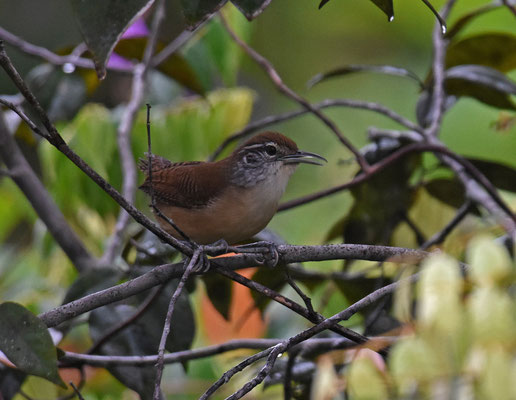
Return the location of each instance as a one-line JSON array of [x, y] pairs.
[[103, 22], [501, 176], [196, 12], [448, 191], [464, 20], [130, 341], [251, 8], [482, 75], [349, 69], [483, 83], [386, 6], [91, 281], [380, 203], [182, 331], [11, 381], [25, 340], [219, 290], [495, 50], [175, 66]]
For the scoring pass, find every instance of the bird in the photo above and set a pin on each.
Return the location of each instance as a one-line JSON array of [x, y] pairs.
[[231, 199]]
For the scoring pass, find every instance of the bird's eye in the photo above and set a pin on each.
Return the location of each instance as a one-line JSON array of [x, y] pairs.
[[271, 150]]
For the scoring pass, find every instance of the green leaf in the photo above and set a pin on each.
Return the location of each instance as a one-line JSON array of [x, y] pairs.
[[130, 341], [365, 381], [352, 68], [215, 53], [483, 83], [196, 12], [102, 23], [379, 203], [501, 176], [495, 50], [251, 8], [449, 191], [219, 290], [182, 331], [466, 19], [175, 66], [92, 129], [26, 342], [490, 262], [91, 281]]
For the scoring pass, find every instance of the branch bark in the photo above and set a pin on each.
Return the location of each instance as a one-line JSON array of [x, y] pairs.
[[47, 210]]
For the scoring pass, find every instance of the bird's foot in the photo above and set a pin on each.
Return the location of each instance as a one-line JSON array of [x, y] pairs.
[[266, 252], [215, 249]]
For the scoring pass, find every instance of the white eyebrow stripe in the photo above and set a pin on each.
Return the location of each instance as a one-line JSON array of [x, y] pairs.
[[259, 145]]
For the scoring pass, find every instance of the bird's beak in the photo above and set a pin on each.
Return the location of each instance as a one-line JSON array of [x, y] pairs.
[[303, 157]]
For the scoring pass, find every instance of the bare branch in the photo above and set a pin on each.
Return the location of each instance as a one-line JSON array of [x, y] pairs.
[[287, 254], [274, 119], [439, 237], [71, 358], [24, 117], [276, 79], [310, 315], [47, 55], [42, 202]]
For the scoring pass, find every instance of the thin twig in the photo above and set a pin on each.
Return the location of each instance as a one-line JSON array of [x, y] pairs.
[[310, 315], [440, 236], [76, 390], [127, 164], [278, 82], [287, 379], [237, 368], [300, 293], [274, 119], [166, 329], [70, 358], [23, 117], [309, 347], [49, 56], [153, 295], [154, 207], [172, 47]]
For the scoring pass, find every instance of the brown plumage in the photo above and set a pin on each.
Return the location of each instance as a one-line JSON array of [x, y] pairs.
[[188, 184], [231, 199]]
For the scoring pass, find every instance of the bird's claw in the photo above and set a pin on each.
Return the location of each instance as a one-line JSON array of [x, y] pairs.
[[269, 257]]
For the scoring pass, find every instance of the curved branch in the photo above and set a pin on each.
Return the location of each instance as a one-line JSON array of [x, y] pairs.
[[274, 119]]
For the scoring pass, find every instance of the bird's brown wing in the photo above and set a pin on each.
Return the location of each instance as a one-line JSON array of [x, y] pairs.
[[188, 184]]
